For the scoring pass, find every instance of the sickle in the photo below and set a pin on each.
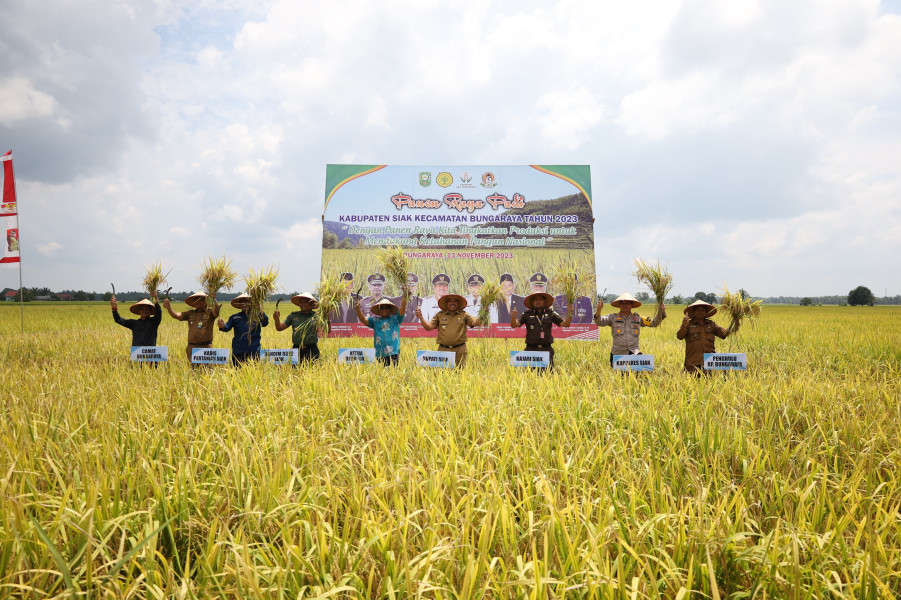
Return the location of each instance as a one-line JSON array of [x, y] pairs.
[[114, 289], [276, 303], [167, 292]]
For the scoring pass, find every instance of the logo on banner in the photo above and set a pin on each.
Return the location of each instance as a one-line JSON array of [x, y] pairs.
[[436, 358], [488, 180], [425, 179], [8, 208], [466, 181], [633, 362], [444, 179]]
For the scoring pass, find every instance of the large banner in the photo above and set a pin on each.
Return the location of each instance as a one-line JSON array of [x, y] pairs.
[[460, 226], [9, 214]]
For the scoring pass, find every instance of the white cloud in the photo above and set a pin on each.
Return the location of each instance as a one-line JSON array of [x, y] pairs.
[[49, 248]]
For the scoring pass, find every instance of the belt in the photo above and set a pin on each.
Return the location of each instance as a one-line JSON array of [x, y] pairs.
[[446, 346], [539, 345]]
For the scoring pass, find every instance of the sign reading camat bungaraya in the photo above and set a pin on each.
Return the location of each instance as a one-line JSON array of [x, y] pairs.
[[460, 226], [149, 353], [725, 362]]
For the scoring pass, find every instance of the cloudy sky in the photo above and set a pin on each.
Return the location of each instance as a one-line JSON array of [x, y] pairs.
[[752, 143]]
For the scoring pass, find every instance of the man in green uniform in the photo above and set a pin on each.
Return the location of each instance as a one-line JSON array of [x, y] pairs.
[[699, 333], [304, 335], [201, 319]]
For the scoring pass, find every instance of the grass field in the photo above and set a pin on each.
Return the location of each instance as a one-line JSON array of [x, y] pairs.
[[359, 482]]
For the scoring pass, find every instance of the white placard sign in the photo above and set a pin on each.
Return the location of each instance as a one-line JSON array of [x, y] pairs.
[[435, 358], [633, 362], [529, 358], [725, 362], [210, 356], [282, 356], [149, 353], [356, 356]]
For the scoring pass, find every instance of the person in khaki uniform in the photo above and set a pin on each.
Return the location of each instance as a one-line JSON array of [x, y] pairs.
[[699, 333], [200, 318], [625, 326], [451, 322]]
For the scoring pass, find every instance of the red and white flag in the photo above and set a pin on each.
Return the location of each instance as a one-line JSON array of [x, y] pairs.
[[9, 214]]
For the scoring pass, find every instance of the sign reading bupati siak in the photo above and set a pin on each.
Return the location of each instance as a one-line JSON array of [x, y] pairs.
[[460, 226]]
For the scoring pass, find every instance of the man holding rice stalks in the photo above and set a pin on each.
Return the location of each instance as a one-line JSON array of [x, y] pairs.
[[385, 324], [304, 332], [625, 326], [144, 328], [539, 319], [200, 320], [699, 333], [246, 340], [451, 322]]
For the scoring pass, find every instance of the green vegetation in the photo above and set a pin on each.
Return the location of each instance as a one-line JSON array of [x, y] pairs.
[[119, 481]]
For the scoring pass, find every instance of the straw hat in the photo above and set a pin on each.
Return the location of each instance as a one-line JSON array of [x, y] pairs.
[[135, 308], [461, 301], [548, 299], [296, 300], [196, 300], [625, 296], [710, 312], [242, 301], [385, 302]]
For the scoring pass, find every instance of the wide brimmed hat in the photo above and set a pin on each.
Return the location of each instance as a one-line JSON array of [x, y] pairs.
[[385, 302], [623, 297], [296, 300], [461, 301], [710, 312], [196, 298], [241, 301], [548, 299], [135, 308]]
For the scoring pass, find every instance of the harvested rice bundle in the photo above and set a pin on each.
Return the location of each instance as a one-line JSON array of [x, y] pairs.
[[657, 278], [260, 285], [573, 279], [490, 294], [738, 306], [154, 278], [331, 291], [395, 266], [215, 275]]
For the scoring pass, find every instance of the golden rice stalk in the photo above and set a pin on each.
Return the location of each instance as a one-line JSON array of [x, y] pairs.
[[260, 285], [216, 274], [331, 291], [657, 278], [739, 307], [572, 279], [154, 278], [489, 295], [395, 266]]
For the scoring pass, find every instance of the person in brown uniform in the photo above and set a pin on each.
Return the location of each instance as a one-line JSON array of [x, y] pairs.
[[539, 320], [699, 333], [201, 320], [625, 326], [451, 322]]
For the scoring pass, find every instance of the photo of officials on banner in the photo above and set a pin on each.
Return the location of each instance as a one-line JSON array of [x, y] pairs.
[[462, 227]]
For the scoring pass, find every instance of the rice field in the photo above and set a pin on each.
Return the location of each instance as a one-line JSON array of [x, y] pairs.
[[335, 481]]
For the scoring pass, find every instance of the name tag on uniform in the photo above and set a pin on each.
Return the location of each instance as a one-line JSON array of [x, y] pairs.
[[149, 354], [436, 358], [356, 356], [210, 356], [529, 358], [282, 356], [725, 362], [633, 362]]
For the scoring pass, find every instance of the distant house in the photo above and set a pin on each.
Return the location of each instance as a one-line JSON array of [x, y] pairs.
[[65, 296], [10, 295]]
